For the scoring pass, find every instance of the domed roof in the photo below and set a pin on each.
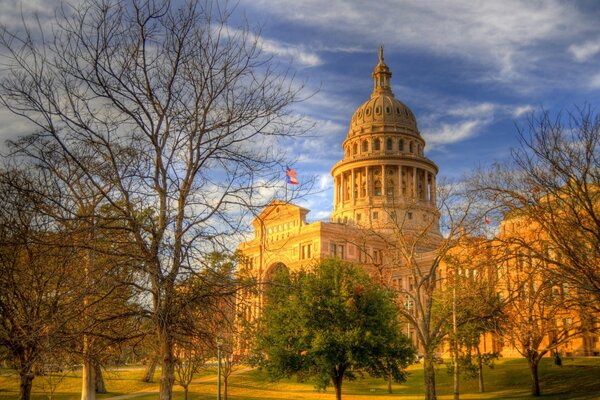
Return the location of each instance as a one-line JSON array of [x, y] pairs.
[[383, 111]]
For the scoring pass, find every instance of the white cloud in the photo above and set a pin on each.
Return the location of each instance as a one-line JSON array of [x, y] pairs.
[[521, 110], [595, 81], [297, 54], [497, 34], [484, 109], [451, 133], [585, 51]]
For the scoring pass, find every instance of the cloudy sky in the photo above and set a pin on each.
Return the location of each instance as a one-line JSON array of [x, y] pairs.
[[469, 70]]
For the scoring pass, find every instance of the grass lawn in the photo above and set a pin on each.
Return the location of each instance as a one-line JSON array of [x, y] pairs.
[[578, 378]]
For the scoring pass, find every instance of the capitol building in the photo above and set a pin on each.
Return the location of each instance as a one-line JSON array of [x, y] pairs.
[[384, 190]]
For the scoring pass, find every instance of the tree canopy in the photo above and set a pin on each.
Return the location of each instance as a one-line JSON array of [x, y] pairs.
[[328, 323]]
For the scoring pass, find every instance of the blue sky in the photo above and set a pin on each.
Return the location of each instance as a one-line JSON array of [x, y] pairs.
[[469, 70]]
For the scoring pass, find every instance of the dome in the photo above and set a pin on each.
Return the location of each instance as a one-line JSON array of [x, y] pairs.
[[383, 112]]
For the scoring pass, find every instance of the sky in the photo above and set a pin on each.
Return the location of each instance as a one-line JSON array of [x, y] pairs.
[[471, 71]]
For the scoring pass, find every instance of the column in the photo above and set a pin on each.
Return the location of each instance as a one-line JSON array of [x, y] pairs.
[[352, 183], [433, 190], [414, 183], [383, 185], [335, 189]]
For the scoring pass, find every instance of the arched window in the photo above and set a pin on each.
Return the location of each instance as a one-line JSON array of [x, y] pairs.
[[410, 147], [388, 145], [376, 145], [401, 145], [377, 188], [389, 188], [365, 146], [355, 149]]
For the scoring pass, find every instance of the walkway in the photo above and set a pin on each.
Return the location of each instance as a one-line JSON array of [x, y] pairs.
[[150, 391]]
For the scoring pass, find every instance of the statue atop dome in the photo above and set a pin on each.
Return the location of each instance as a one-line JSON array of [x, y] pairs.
[[381, 75]]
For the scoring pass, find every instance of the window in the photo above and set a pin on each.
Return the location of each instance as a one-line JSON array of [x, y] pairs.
[[401, 145], [376, 145], [375, 215], [358, 216], [390, 188], [377, 256], [306, 251], [336, 250], [365, 146], [355, 149], [410, 147], [377, 188], [409, 215], [388, 145]]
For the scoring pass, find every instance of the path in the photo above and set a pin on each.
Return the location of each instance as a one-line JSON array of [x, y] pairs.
[[150, 391]]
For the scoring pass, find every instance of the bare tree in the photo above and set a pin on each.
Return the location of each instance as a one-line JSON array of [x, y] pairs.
[[554, 180], [178, 107], [190, 360], [40, 294], [541, 315], [413, 263]]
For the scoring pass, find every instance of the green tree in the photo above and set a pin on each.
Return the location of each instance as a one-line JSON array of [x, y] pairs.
[[327, 324]]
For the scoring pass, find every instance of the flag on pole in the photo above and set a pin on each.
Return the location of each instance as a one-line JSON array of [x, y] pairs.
[[291, 176]]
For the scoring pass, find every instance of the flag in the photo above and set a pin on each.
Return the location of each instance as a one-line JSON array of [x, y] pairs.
[[291, 176], [487, 220]]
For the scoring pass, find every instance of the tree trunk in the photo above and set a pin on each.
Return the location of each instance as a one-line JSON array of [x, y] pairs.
[[429, 375], [480, 370], [338, 378], [535, 380], [26, 384], [185, 392], [100, 386], [88, 378], [456, 374], [167, 377], [225, 379], [337, 384], [389, 379], [150, 369]]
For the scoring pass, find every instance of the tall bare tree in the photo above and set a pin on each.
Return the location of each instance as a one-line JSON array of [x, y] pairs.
[[541, 315], [182, 111], [414, 264], [553, 179]]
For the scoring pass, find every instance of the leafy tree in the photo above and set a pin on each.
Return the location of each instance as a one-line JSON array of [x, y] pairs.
[[328, 324]]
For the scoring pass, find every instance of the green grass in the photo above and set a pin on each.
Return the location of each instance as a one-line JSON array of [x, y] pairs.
[[578, 378]]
